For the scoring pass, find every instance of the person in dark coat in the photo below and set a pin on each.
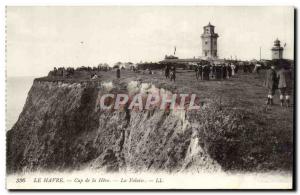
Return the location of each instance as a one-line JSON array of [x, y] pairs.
[[206, 70], [118, 72], [229, 69], [173, 74], [167, 71], [245, 67], [236, 68], [199, 72], [224, 70], [196, 71], [218, 72], [284, 76], [251, 67], [213, 71], [270, 83]]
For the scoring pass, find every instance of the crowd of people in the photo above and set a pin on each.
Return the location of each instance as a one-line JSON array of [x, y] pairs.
[[277, 76], [66, 72], [170, 72], [218, 72], [61, 71], [214, 71]]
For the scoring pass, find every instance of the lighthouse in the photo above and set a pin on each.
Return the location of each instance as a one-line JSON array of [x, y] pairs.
[[209, 42], [277, 50]]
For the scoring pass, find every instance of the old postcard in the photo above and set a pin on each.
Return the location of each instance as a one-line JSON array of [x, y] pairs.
[[150, 97]]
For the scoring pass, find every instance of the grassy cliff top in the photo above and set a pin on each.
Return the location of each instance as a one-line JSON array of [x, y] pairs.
[[244, 90]]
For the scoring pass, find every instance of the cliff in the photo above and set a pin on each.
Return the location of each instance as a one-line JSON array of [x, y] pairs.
[[61, 128]]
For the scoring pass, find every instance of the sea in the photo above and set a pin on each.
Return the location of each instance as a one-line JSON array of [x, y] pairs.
[[17, 89]]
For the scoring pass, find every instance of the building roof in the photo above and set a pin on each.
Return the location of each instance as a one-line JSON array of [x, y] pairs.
[[277, 45], [277, 42], [209, 25]]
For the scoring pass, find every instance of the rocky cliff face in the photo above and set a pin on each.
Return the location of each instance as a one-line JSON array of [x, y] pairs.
[[60, 128]]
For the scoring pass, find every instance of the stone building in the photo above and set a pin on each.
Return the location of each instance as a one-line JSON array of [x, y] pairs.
[[209, 42], [277, 50]]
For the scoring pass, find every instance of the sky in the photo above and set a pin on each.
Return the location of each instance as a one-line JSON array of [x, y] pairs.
[[40, 38]]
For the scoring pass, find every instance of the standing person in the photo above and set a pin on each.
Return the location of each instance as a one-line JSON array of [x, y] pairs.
[[118, 72], [167, 71], [236, 69], [173, 74], [218, 72], [284, 76], [210, 70], [206, 70], [229, 70], [233, 69], [213, 71], [201, 72], [245, 67], [197, 72], [270, 83], [251, 67], [224, 70]]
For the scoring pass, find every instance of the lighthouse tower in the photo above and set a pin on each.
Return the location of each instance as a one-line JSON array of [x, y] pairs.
[[277, 50], [209, 42]]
